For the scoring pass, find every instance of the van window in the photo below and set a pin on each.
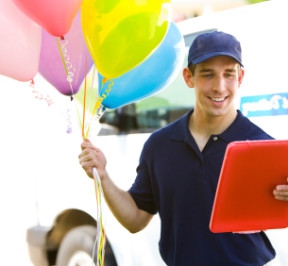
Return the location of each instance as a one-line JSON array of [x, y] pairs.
[[154, 112]]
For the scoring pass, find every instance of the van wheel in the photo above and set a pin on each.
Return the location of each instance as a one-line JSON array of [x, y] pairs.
[[76, 248]]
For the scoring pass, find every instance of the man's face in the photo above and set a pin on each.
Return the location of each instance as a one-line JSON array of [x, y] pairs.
[[215, 82]]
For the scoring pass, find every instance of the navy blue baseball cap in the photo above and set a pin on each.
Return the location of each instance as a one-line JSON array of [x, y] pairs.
[[208, 45]]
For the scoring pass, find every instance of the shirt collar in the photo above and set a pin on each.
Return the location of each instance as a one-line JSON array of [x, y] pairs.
[[181, 130]]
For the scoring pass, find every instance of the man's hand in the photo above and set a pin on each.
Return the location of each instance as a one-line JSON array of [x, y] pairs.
[[281, 192], [92, 157]]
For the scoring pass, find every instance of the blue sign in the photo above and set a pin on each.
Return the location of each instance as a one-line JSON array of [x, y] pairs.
[[265, 105]]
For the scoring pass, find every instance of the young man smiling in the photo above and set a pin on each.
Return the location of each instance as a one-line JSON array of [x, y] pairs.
[[180, 164]]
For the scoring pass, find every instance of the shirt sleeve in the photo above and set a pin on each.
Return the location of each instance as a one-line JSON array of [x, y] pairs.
[[141, 190]]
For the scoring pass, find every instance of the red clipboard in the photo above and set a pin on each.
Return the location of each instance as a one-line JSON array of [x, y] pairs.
[[244, 200]]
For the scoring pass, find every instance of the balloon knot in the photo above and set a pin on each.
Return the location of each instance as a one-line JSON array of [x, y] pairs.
[[32, 83], [104, 80]]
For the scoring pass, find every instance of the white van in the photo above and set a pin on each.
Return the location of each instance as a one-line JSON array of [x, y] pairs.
[[66, 214]]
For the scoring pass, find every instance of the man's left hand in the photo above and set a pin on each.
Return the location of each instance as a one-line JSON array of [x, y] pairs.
[[281, 192]]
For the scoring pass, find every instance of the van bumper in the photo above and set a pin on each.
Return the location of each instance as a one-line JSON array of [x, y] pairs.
[[36, 238]]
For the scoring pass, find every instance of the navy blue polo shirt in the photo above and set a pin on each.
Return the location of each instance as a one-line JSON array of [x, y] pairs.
[[177, 180]]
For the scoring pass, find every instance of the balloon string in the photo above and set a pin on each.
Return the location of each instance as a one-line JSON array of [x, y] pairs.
[[69, 125], [66, 60], [84, 100], [100, 240], [40, 96], [101, 236], [98, 110], [102, 96], [68, 67]]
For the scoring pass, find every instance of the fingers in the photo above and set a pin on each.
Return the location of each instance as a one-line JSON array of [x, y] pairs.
[[88, 158], [91, 157], [86, 144], [281, 192]]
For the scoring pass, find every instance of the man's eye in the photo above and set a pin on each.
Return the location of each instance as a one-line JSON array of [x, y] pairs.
[[229, 74], [207, 76]]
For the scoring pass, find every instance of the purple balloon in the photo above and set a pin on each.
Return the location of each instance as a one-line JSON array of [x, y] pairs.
[[65, 63]]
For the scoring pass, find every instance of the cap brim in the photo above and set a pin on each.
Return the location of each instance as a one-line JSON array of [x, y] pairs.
[[208, 56]]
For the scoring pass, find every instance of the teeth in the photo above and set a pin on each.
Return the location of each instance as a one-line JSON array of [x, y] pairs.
[[218, 99]]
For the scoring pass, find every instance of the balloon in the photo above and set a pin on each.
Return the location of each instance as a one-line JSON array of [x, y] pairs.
[[20, 43], [76, 57], [56, 16], [154, 74], [120, 34]]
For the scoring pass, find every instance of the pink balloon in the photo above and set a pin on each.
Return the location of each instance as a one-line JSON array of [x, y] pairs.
[[56, 16], [75, 54], [20, 43]]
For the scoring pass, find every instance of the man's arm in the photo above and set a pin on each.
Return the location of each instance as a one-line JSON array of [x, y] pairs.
[[119, 201]]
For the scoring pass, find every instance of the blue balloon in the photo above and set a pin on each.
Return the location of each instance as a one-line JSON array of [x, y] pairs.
[[148, 78]]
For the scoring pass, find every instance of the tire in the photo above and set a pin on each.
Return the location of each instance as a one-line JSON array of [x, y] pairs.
[[76, 248]]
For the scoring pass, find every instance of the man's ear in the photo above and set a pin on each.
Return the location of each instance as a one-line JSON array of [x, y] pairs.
[[188, 77], [241, 76]]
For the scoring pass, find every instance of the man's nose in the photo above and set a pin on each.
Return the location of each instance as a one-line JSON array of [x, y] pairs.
[[219, 84]]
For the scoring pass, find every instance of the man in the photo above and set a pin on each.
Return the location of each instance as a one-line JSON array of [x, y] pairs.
[[180, 164]]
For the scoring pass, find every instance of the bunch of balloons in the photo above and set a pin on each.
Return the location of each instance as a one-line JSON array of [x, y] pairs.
[[135, 47]]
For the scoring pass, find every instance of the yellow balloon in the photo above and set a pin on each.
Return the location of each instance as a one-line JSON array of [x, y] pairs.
[[120, 34]]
